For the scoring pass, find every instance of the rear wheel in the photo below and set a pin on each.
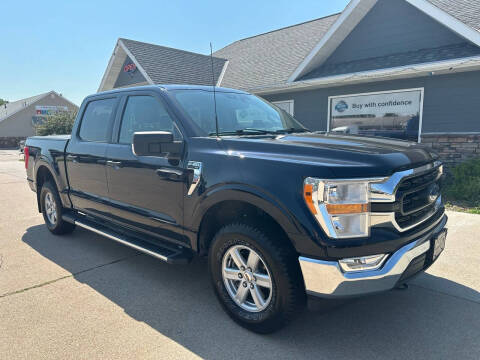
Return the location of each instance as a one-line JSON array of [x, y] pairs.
[[52, 210], [257, 280]]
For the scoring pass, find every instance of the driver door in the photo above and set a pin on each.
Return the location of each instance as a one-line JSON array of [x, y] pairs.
[[144, 194]]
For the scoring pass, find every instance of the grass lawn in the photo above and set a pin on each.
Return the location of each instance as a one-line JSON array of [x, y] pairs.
[[462, 208], [462, 187]]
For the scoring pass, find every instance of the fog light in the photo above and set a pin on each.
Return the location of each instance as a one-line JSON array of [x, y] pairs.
[[362, 263]]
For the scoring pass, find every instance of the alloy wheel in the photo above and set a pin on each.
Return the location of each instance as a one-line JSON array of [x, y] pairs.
[[247, 278], [50, 208]]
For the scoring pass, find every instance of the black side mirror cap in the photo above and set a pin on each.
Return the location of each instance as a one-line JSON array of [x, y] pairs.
[[156, 143]]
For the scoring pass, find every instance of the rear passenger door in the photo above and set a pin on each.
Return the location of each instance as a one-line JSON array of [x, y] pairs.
[[146, 192], [86, 156]]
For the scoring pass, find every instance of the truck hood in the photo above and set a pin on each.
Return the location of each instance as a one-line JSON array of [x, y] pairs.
[[343, 155]]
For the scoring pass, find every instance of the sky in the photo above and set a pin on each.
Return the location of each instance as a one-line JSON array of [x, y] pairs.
[[65, 45]]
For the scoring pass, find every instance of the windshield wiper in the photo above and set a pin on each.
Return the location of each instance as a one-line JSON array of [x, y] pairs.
[[252, 131], [291, 131], [246, 131]]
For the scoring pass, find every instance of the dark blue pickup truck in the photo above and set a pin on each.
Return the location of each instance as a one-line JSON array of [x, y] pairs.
[[280, 211]]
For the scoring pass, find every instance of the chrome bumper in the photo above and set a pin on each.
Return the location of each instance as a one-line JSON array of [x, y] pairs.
[[327, 279]]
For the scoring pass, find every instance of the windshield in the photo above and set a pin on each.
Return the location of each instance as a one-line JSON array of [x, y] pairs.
[[237, 113]]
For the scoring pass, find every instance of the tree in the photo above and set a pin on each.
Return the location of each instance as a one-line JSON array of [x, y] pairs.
[[3, 102], [58, 124]]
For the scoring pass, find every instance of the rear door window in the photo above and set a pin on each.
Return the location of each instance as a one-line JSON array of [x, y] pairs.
[[95, 123]]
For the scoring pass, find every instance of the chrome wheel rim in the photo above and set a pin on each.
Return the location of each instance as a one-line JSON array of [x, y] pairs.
[[50, 208], [247, 278]]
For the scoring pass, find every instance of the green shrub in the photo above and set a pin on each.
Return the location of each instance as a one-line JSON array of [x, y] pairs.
[[463, 184], [58, 124]]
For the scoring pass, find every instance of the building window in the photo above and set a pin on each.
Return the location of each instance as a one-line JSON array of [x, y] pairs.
[[286, 105], [396, 114]]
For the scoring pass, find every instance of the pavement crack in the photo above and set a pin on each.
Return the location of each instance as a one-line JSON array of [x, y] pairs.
[[65, 277]]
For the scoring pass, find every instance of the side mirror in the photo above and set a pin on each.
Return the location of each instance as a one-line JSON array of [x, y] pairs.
[[157, 143]]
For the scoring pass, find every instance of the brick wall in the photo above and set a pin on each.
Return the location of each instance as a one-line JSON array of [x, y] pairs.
[[10, 142], [453, 148]]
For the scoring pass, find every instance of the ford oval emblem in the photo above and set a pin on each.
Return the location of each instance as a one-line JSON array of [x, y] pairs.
[[433, 193], [341, 106]]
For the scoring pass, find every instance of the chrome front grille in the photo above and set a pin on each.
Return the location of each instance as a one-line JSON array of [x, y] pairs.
[[407, 198], [417, 196]]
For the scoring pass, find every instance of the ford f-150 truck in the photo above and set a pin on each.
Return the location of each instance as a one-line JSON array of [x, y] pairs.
[[280, 211]]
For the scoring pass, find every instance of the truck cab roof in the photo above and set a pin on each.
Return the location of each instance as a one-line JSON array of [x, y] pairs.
[[169, 87]]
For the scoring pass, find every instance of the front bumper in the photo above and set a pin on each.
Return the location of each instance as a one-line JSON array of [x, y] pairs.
[[327, 279]]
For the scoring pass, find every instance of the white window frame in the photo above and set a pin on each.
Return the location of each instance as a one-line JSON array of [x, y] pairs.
[[291, 102], [422, 96]]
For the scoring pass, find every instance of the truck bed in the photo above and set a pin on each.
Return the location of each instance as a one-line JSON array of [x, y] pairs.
[[52, 149]]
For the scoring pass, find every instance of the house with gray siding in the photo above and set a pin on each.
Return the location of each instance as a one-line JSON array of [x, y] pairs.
[[19, 118], [406, 69]]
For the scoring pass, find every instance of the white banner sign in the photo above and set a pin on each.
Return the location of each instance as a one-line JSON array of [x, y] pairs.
[[394, 114], [49, 109], [405, 103]]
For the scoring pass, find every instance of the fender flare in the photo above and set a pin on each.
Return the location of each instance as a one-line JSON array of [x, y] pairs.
[[43, 161], [248, 194]]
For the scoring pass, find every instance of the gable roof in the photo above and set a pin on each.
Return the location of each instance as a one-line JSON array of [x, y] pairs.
[[282, 58], [18, 105], [356, 11], [177, 66], [269, 58]]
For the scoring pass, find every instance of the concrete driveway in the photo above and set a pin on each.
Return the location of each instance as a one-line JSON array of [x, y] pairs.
[[84, 296]]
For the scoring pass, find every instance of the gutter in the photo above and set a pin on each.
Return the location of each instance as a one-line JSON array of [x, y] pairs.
[[464, 64]]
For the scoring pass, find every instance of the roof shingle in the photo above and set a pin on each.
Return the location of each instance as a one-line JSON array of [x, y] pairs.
[[15, 106], [269, 59], [467, 11], [447, 52]]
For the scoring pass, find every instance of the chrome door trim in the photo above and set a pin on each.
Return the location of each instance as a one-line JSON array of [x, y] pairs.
[[196, 166]]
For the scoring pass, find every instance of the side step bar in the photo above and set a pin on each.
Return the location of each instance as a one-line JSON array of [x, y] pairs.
[[167, 253]]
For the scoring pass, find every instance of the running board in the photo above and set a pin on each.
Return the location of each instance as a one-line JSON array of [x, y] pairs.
[[169, 254]]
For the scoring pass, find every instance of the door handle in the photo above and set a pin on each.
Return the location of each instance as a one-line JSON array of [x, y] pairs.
[[114, 164], [72, 158], [172, 174]]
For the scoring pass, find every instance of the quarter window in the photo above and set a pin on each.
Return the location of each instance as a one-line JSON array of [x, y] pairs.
[[144, 113], [96, 120]]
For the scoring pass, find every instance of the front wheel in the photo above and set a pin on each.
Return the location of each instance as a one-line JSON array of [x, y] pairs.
[[257, 280], [52, 210]]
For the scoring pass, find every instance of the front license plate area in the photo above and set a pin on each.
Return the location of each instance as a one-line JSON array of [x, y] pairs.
[[438, 244]]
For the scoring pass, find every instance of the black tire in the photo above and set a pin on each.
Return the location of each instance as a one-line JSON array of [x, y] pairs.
[[58, 227], [287, 291]]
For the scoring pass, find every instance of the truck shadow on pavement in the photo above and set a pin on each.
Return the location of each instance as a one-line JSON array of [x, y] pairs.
[[437, 318]]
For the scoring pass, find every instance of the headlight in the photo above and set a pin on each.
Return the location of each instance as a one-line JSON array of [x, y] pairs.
[[341, 207]]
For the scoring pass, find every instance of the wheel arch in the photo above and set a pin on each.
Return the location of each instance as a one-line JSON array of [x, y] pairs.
[[42, 175], [227, 205]]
